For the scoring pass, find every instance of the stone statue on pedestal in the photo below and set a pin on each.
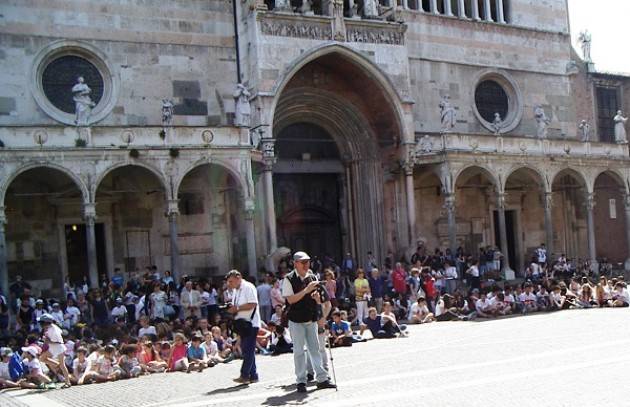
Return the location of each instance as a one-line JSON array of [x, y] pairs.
[[585, 40], [307, 7], [620, 128], [283, 5], [585, 129], [167, 112], [83, 104], [497, 124], [243, 109], [447, 114], [541, 121], [370, 8]]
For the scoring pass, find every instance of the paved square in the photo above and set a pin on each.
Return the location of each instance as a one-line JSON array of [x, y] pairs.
[[570, 358]]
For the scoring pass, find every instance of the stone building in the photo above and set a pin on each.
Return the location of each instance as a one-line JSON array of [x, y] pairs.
[[370, 127]]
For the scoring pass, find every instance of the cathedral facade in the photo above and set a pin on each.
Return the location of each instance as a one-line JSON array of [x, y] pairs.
[[203, 135]]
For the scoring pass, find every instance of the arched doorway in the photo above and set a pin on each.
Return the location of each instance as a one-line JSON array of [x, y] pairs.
[[44, 207], [339, 98], [570, 214], [610, 219]]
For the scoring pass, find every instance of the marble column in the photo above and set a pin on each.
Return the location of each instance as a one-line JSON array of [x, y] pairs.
[[627, 210], [434, 7], [548, 204], [4, 270], [89, 216], [590, 230], [500, 12], [250, 237], [405, 4], [475, 10], [449, 205], [487, 15], [411, 202], [268, 149], [448, 10], [461, 8], [172, 213], [350, 206], [501, 197]]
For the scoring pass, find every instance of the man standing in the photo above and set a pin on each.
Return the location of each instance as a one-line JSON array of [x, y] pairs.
[[264, 298], [299, 289], [191, 301], [541, 255], [245, 307]]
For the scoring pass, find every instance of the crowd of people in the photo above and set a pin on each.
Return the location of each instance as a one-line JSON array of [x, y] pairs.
[[150, 323]]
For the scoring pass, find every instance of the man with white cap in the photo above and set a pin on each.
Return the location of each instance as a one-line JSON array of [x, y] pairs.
[[299, 288]]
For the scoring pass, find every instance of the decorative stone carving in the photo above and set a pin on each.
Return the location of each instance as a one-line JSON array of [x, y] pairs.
[[127, 136], [585, 41], [207, 136], [40, 137], [447, 114], [167, 112], [268, 152], [424, 145], [370, 8], [243, 109], [620, 128], [307, 8], [497, 124], [585, 129], [285, 28], [375, 35], [339, 23], [542, 121], [83, 103], [283, 5]]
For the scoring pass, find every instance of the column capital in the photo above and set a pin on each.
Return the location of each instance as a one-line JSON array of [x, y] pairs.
[[89, 211], [408, 166], [449, 202], [268, 147], [501, 198], [548, 200], [590, 201], [172, 207]]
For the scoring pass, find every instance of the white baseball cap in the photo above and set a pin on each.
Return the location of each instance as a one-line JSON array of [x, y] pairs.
[[299, 256], [31, 349]]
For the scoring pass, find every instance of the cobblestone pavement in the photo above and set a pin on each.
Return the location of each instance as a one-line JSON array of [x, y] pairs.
[[571, 358]]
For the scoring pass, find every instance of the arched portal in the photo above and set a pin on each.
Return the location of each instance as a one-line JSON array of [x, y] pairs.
[[337, 127], [43, 206], [611, 236], [570, 214]]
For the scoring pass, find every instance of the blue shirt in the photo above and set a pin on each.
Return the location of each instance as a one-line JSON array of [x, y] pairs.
[[340, 329], [196, 353], [374, 325], [376, 286]]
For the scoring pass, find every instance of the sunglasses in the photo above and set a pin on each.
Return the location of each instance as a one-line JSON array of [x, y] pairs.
[[304, 261]]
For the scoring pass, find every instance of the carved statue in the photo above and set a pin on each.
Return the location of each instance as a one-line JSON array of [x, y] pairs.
[[620, 128], [307, 7], [497, 124], [370, 8], [283, 5], [585, 40], [541, 121], [585, 128], [243, 109], [424, 145], [447, 114], [167, 112], [83, 104]]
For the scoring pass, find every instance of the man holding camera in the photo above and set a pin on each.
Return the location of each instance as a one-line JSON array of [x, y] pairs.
[[246, 323], [299, 288]]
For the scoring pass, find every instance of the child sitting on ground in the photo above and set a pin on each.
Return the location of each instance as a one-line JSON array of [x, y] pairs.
[[340, 331], [79, 365], [420, 312], [128, 363], [6, 382], [150, 359], [36, 373], [197, 357], [177, 359]]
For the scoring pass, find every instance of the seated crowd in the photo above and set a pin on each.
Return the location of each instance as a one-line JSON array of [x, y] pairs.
[[150, 325]]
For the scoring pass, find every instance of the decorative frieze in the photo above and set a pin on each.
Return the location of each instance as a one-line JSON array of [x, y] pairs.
[[375, 35], [296, 29]]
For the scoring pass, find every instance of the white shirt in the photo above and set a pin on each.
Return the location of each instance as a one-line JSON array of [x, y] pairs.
[[119, 311], [482, 305], [212, 297], [531, 297], [246, 294], [211, 348], [4, 371], [287, 288], [264, 294], [474, 271], [450, 273], [623, 296], [419, 309], [150, 330], [73, 314], [541, 254]]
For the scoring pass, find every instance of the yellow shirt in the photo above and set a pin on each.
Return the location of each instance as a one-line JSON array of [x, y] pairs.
[[361, 287]]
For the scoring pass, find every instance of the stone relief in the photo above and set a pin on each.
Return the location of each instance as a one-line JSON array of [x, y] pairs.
[[243, 109], [83, 103], [370, 8], [497, 124], [167, 112], [375, 36], [542, 121], [585, 130], [447, 114], [284, 28], [620, 128]]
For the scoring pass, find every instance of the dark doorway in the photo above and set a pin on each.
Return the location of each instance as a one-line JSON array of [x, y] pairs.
[[76, 251], [510, 228], [308, 213]]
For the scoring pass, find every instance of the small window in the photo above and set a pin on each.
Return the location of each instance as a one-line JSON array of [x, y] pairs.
[[61, 74], [490, 98], [607, 106], [426, 5]]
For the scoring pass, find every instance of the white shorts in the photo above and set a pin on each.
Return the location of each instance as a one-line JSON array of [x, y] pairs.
[[56, 349]]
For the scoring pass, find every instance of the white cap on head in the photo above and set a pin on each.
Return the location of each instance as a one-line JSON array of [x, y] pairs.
[[299, 256]]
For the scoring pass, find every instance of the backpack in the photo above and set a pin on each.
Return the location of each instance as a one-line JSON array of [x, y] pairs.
[[16, 367]]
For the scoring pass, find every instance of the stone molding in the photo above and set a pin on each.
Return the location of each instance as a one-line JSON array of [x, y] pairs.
[[515, 99], [296, 26]]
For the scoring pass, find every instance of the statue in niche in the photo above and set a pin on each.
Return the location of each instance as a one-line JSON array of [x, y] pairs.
[[497, 124], [243, 108], [167, 112], [620, 128], [83, 103], [585, 41], [283, 5], [585, 129], [370, 8], [307, 7], [424, 145], [541, 121], [447, 114]]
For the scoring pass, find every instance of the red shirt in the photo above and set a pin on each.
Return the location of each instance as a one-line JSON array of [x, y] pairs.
[[400, 281]]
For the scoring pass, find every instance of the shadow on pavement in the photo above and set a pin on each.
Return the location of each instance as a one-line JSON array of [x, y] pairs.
[[293, 398], [227, 389]]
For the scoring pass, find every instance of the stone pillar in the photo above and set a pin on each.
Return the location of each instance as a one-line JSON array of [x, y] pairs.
[[590, 230], [461, 8], [548, 204], [250, 236], [268, 148], [500, 12], [503, 232], [89, 216], [487, 15], [448, 10], [350, 206], [434, 7], [626, 202], [4, 269], [449, 205], [172, 213], [475, 10], [405, 4], [411, 202]]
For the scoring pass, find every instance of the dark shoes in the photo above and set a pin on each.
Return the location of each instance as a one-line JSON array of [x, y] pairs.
[[310, 377], [326, 385], [301, 387]]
